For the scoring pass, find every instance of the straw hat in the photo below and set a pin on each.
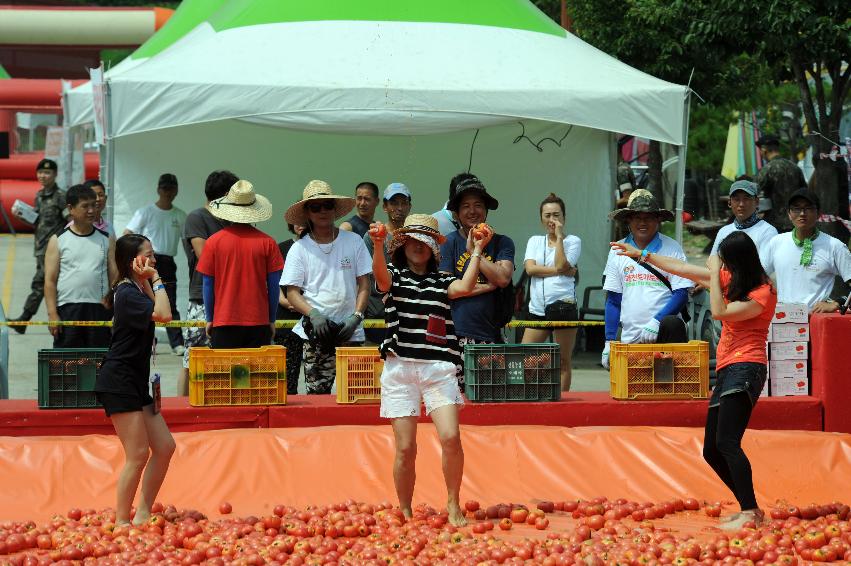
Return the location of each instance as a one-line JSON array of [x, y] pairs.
[[242, 205], [642, 200], [318, 190], [422, 227]]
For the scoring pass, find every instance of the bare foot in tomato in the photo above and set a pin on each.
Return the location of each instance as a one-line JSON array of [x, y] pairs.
[[456, 515], [407, 513], [140, 518]]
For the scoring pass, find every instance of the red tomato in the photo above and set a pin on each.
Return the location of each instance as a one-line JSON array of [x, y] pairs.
[[519, 515], [378, 230], [225, 508], [471, 506], [505, 524]]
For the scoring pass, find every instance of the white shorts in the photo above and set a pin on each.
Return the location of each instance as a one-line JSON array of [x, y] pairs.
[[405, 384]]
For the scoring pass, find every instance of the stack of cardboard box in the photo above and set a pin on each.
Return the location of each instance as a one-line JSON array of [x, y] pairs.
[[788, 350]]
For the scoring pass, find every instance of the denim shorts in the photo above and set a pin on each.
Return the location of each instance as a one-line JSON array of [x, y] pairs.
[[735, 378]]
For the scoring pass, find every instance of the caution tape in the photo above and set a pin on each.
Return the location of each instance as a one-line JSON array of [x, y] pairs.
[[368, 323]]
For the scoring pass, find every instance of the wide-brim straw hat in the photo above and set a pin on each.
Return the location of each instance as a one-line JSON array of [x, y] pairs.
[[422, 227], [318, 190], [242, 205], [642, 200]]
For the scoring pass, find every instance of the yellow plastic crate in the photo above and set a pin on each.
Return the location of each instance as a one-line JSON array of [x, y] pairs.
[[359, 375], [632, 371], [242, 376]]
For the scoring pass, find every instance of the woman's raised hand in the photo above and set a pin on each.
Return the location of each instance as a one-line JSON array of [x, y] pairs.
[[377, 232], [622, 248], [558, 228], [143, 268]]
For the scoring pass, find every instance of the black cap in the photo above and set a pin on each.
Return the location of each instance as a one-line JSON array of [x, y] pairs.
[[470, 186], [768, 140], [48, 164], [167, 180], [805, 194]]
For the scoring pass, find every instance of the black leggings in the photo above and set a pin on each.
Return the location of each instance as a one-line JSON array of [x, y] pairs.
[[722, 446]]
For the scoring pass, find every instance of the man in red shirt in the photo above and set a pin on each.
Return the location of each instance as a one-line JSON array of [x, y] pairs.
[[242, 268]]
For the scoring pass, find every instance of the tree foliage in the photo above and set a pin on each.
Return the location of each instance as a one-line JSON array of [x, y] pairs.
[[736, 55]]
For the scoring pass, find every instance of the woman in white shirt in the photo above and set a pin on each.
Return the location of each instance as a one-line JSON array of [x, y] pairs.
[[550, 262]]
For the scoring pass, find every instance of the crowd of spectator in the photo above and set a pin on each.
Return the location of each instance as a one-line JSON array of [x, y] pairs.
[[241, 281]]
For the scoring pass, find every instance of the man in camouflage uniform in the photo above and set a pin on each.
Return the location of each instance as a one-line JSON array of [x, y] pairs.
[[777, 180], [52, 216]]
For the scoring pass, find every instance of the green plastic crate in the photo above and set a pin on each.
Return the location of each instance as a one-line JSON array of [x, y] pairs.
[[496, 373], [66, 377]]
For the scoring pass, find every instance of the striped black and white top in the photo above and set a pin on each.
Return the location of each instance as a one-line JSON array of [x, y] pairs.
[[419, 317]]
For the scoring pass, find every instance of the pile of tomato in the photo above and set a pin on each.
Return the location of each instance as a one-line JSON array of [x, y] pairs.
[[598, 531]]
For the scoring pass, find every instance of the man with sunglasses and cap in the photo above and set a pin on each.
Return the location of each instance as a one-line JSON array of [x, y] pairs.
[[643, 301], [396, 204], [476, 315], [777, 180], [806, 261], [52, 216], [327, 280]]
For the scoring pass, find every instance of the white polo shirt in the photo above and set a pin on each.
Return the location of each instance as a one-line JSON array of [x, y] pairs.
[[761, 233], [162, 227], [644, 294], [808, 284]]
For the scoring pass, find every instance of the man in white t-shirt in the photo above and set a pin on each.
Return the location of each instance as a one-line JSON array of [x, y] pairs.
[[162, 224], [744, 201], [326, 276], [643, 306], [805, 261]]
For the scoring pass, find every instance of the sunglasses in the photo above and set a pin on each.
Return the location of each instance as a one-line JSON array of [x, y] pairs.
[[318, 206]]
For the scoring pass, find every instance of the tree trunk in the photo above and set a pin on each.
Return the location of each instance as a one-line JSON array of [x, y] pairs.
[[654, 171], [825, 179]]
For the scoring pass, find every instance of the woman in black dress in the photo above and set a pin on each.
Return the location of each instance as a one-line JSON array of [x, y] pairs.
[[139, 299]]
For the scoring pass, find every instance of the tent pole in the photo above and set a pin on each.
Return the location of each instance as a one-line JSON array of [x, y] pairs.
[[679, 197], [107, 154]]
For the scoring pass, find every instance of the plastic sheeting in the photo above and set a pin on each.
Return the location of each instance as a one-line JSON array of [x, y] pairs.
[[256, 469]]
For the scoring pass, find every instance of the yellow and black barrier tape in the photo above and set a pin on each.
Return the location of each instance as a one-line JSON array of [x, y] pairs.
[[368, 323]]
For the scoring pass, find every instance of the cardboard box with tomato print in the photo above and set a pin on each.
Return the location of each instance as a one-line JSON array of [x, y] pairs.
[[789, 332], [787, 368], [789, 350], [791, 312], [788, 386]]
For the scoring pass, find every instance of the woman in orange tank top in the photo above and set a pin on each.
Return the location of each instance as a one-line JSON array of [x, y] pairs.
[[743, 299]]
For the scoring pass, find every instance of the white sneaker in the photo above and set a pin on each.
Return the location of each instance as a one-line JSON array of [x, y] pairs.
[[178, 350]]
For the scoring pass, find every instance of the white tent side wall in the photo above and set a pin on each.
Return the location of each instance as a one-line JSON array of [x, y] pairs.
[[281, 161]]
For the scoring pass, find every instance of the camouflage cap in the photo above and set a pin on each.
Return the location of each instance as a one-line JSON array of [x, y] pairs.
[[642, 200]]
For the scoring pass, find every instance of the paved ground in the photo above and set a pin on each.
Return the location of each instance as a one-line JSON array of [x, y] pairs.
[[18, 266]]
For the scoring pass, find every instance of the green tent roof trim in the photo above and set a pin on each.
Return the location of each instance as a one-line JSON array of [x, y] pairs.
[[4, 74], [188, 15], [512, 14]]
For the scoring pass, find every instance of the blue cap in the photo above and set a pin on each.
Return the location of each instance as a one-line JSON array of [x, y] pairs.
[[747, 186], [394, 189]]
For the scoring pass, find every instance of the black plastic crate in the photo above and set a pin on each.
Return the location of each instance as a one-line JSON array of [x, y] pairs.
[[66, 377], [496, 373]]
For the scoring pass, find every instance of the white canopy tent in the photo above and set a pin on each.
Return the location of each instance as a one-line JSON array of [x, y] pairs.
[[284, 92]]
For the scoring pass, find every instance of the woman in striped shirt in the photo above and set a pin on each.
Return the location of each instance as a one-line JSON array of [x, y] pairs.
[[421, 349]]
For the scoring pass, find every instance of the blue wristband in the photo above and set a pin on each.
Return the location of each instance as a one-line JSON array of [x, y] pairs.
[[158, 287]]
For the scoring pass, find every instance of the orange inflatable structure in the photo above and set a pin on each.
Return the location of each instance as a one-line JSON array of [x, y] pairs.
[[255, 469]]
